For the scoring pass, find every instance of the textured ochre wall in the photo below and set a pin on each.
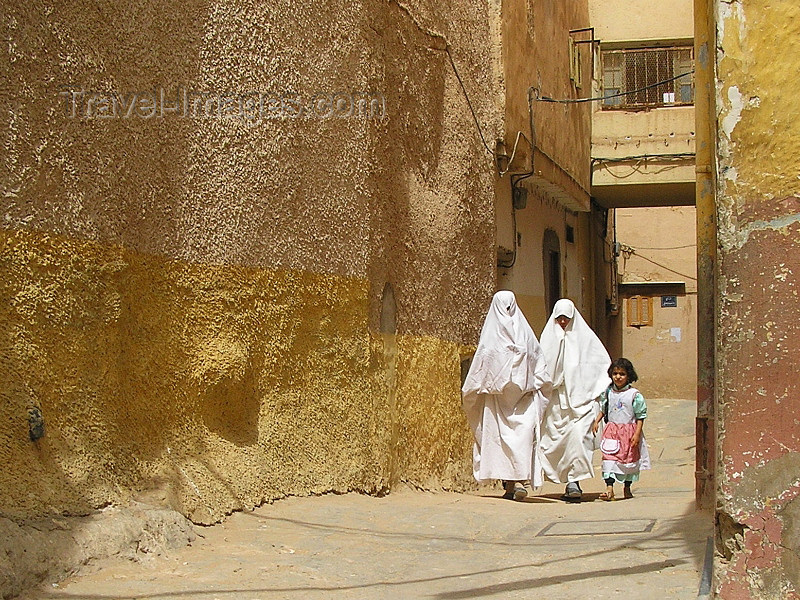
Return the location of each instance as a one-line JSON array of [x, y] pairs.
[[225, 385], [758, 216], [193, 301], [230, 384], [536, 55]]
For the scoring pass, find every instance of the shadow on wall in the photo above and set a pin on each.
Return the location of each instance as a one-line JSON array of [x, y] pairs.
[[202, 389], [197, 387], [224, 379]]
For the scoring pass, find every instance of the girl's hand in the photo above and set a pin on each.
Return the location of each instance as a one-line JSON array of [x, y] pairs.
[[637, 435], [595, 426]]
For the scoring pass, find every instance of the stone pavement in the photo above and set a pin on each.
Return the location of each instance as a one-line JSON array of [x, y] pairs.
[[443, 546]]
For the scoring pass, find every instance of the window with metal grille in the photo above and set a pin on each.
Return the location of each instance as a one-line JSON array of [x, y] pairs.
[[632, 77]]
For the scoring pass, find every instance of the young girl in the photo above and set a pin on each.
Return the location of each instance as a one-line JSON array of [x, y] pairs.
[[622, 443]]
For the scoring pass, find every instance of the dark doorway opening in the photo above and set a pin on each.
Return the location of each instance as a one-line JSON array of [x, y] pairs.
[[551, 248]]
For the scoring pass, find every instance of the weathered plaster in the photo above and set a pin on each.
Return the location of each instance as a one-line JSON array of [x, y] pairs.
[[227, 386], [759, 230], [194, 302]]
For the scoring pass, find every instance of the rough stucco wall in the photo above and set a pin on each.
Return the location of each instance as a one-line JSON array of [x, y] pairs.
[[151, 371], [194, 304], [758, 206], [536, 55], [563, 131]]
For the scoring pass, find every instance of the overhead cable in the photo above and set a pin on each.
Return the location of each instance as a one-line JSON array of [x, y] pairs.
[[617, 95]]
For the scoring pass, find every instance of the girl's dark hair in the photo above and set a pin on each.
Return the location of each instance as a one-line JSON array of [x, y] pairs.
[[627, 366]]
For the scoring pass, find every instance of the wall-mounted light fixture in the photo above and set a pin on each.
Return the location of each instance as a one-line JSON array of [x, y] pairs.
[[519, 196], [501, 157]]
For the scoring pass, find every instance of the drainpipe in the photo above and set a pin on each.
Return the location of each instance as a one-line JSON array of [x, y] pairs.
[[705, 52]]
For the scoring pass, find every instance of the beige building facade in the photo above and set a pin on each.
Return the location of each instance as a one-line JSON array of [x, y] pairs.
[[658, 297], [643, 170], [246, 251], [543, 211], [243, 249]]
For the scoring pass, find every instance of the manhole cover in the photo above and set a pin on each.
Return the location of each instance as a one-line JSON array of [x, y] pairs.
[[598, 527]]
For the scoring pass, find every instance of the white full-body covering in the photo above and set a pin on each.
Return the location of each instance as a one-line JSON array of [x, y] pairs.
[[505, 394], [578, 364]]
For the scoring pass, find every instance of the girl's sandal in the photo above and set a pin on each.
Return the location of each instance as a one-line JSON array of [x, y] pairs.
[[628, 493], [607, 497]]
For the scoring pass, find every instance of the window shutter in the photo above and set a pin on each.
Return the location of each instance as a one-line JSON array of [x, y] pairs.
[[633, 311], [646, 313], [575, 71], [640, 311]]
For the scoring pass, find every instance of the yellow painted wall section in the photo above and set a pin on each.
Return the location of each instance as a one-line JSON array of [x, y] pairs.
[[757, 114], [431, 447], [207, 388]]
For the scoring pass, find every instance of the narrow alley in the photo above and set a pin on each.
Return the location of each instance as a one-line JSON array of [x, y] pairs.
[[442, 546]]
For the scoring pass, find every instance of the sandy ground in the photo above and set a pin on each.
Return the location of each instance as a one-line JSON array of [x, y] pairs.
[[443, 546]]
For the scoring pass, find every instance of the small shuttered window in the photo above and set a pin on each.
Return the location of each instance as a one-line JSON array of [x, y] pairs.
[[640, 311]]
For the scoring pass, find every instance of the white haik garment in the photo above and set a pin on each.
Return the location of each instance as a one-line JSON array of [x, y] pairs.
[[578, 364], [505, 395]]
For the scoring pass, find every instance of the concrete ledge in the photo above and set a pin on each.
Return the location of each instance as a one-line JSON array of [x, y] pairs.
[[48, 550]]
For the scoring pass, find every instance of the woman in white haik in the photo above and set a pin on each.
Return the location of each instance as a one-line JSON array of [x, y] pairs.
[[578, 364], [504, 396]]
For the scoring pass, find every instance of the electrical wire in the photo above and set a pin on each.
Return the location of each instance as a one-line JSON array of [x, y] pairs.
[[669, 248], [514, 152], [642, 156], [466, 95], [632, 251], [617, 95], [512, 262], [638, 168]]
